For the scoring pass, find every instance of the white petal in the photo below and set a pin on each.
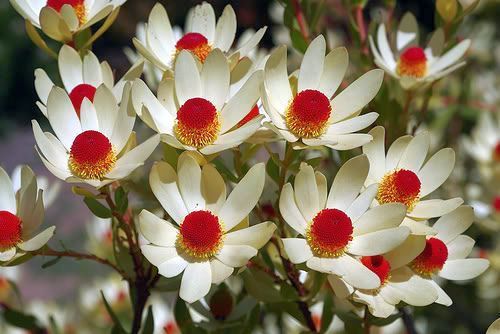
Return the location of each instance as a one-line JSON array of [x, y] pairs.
[[340, 288], [335, 67], [311, 67], [378, 242], [203, 21], [38, 241], [92, 74], [225, 29], [362, 202], [357, 95], [62, 117], [306, 192], [219, 271], [255, 236], [215, 78], [88, 116], [196, 281], [157, 254], [436, 170], [460, 247], [454, 223], [187, 77], [384, 48], [251, 43], [189, 175], [106, 108], [434, 208], [244, 197], [163, 181], [396, 151], [463, 269], [450, 57], [43, 85], [156, 230], [380, 217], [289, 210], [443, 298], [416, 153], [172, 267], [276, 79], [236, 255], [8, 254], [213, 188], [407, 32], [406, 252], [352, 124], [297, 249], [411, 288], [70, 67], [348, 182], [7, 196], [375, 151]]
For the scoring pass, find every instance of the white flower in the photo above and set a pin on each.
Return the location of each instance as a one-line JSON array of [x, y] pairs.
[[202, 34], [398, 283], [21, 213], [339, 226], [306, 112], [94, 148], [81, 78], [403, 177], [193, 110], [203, 242], [163, 315], [61, 20], [414, 65], [445, 254], [50, 191]]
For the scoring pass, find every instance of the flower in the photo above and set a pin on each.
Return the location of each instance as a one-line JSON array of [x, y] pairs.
[[95, 148], [81, 78], [414, 65], [397, 281], [307, 114], [203, 242], [50, 191], [201, 35], [445, 254], [402, 177], [61, 20], [21, 213], [484, 144], [193, 112], [340, 227], [163, 315]]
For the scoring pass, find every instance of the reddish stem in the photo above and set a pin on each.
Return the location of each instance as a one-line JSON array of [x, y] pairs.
[[299, 15]]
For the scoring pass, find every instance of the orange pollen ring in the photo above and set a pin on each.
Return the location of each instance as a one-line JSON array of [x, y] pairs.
[[201, 235], [196, 43], [400, 186], [329, 233], [308, 113], [10, 230], [91, 155], [412, 63], [197, 123]]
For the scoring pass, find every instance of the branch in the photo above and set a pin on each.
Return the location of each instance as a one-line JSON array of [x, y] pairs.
[[299, 15], [408, 321], [47, 251]]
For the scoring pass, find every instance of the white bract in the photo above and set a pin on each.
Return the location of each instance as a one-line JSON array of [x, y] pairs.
[[209, 234]]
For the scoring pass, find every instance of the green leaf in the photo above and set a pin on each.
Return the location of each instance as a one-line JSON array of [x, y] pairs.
[[21, 320], [327, 314], [149, 323], [222, 168], [121, 200], [243, 308], [261, 286], [51, 262], [273, 170], [168, 284], [298, 41], [182, 316], [81, 38], [170, 155], [118, 328], [97, 208]]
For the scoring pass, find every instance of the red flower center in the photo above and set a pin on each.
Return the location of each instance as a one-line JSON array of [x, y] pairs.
[[79, 93], [496, 152], [308, 114], [195, 43], [200, 234], [412, 62], [10, 230], [432, 258], [496, 203], [78, 6], [91, 155], [401, 186], [251, 115], [197, 123], [378, 265], [329, 233]]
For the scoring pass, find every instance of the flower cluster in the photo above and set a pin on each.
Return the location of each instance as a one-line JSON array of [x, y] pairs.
[[380, 232]]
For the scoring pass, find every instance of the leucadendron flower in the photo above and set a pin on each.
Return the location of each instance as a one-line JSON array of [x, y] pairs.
[[21, 214], [96, 148], [411, 64], [336, 228], [305, 111], [208, 234], [61, 20]]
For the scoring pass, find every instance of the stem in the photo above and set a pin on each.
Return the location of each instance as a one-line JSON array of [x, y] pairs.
[[408, 321], [360, 22], [425, 106], [285, 164], [46, 251], [406, 110], [366, 321], [299, 15]]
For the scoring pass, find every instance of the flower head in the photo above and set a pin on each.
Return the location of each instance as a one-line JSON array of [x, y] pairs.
[[307, 114], [202, 241]]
